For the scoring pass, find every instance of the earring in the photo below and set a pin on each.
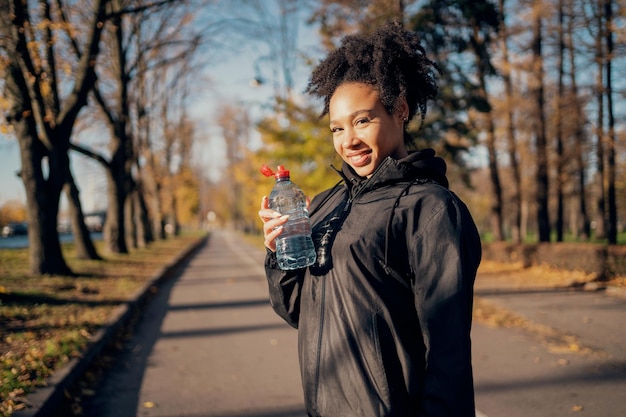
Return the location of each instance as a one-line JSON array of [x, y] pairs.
[[405, 119]]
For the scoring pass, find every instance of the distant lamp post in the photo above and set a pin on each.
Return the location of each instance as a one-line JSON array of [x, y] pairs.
[[211, 218], [258, 79], [256, 82]]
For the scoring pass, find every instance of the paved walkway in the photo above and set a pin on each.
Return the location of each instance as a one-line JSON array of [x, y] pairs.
[[209, 345], [569, 358]]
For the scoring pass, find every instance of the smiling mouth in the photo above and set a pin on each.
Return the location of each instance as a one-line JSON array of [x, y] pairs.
[[360, 159]]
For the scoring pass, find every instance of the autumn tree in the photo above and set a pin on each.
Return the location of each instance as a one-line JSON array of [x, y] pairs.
[[44, 101], [453, 29], [539, 127], [506, 72], [178, 136], [578, 121], [297, 139], [165, 38], [609, 30], [538, 100], [339, 18]]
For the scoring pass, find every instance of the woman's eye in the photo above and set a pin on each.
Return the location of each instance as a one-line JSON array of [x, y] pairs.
[[334, 129], [363, 120]]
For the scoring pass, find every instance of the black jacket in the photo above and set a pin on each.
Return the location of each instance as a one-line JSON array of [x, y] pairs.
[[384, 316]]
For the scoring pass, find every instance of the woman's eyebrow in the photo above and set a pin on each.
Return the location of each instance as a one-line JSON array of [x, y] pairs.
[[354, 114]]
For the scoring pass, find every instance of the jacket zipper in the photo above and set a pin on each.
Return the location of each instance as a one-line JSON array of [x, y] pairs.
[[320, 332]]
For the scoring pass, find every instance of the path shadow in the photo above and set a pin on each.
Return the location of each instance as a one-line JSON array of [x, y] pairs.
[[123, 376]]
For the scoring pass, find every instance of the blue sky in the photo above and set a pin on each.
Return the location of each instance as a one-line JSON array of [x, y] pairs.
[[10, 185]]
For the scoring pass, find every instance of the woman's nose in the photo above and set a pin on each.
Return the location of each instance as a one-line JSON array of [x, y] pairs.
[[349, 139]]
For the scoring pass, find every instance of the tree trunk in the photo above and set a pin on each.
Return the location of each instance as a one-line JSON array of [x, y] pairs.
[[175, 224], [85, 248], [129, 217], [115, 228], [560, 159], [543, 218], [483, 66], [42, 200], [42, 125], [496, 205], [611, 169], [142, 219], [158, 219], [516, 200], [119, 177], [579, 137], [42, 194], [601, 225]]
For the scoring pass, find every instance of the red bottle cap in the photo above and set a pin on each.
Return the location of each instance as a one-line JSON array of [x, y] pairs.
[[280, 173]]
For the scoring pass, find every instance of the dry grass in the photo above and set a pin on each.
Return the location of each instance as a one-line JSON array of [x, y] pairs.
[[514, 275]]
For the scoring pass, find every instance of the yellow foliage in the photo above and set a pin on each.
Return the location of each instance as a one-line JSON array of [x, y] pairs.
[[187, 197], [294, 137], [302, 143], [12, 211], [5, 129]]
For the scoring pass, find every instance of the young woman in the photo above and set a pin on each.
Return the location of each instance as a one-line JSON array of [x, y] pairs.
[[384, 315]]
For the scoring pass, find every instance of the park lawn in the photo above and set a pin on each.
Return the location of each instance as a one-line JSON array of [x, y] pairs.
[[47, 320]]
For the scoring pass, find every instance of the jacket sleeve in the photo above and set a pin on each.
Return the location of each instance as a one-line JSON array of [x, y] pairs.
[[445, 255], [284, 289]]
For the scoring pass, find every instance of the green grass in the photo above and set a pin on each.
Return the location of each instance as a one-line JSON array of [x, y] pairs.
[[47, 320]]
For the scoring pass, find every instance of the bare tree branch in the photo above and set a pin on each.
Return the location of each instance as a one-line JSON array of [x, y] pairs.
[[131, 10], [90, 153]]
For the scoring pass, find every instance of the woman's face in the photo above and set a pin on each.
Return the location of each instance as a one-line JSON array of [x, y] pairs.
[[364, 134]]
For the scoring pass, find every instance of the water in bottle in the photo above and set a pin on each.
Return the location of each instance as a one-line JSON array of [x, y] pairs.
[[294, 246]]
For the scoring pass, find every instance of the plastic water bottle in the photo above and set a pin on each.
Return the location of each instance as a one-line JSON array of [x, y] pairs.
[[294, 246]]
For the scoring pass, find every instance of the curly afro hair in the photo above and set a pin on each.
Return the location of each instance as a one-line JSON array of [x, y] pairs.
[[391, 59]]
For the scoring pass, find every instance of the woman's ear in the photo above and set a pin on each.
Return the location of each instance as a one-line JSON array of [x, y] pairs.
[[402, 109]]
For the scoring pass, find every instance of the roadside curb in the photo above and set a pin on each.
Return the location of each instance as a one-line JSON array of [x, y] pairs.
[[616, 291], [45, 400], [608, 289]]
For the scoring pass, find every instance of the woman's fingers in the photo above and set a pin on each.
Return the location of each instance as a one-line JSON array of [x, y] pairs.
[[265, 213], [272, 224], [272, 229]]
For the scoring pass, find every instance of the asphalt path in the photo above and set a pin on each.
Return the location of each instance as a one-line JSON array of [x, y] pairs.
[[209, 345], [521, 373]]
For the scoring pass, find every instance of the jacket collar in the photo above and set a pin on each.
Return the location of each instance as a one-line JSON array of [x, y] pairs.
[[420, 165]]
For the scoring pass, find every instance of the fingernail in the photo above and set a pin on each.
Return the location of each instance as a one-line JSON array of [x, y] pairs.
[[286, 216]]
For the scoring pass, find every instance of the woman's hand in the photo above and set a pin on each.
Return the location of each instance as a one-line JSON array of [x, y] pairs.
[[272, 224]]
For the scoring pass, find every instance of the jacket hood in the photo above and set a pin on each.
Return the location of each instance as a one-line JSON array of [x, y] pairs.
[[419, 165]]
